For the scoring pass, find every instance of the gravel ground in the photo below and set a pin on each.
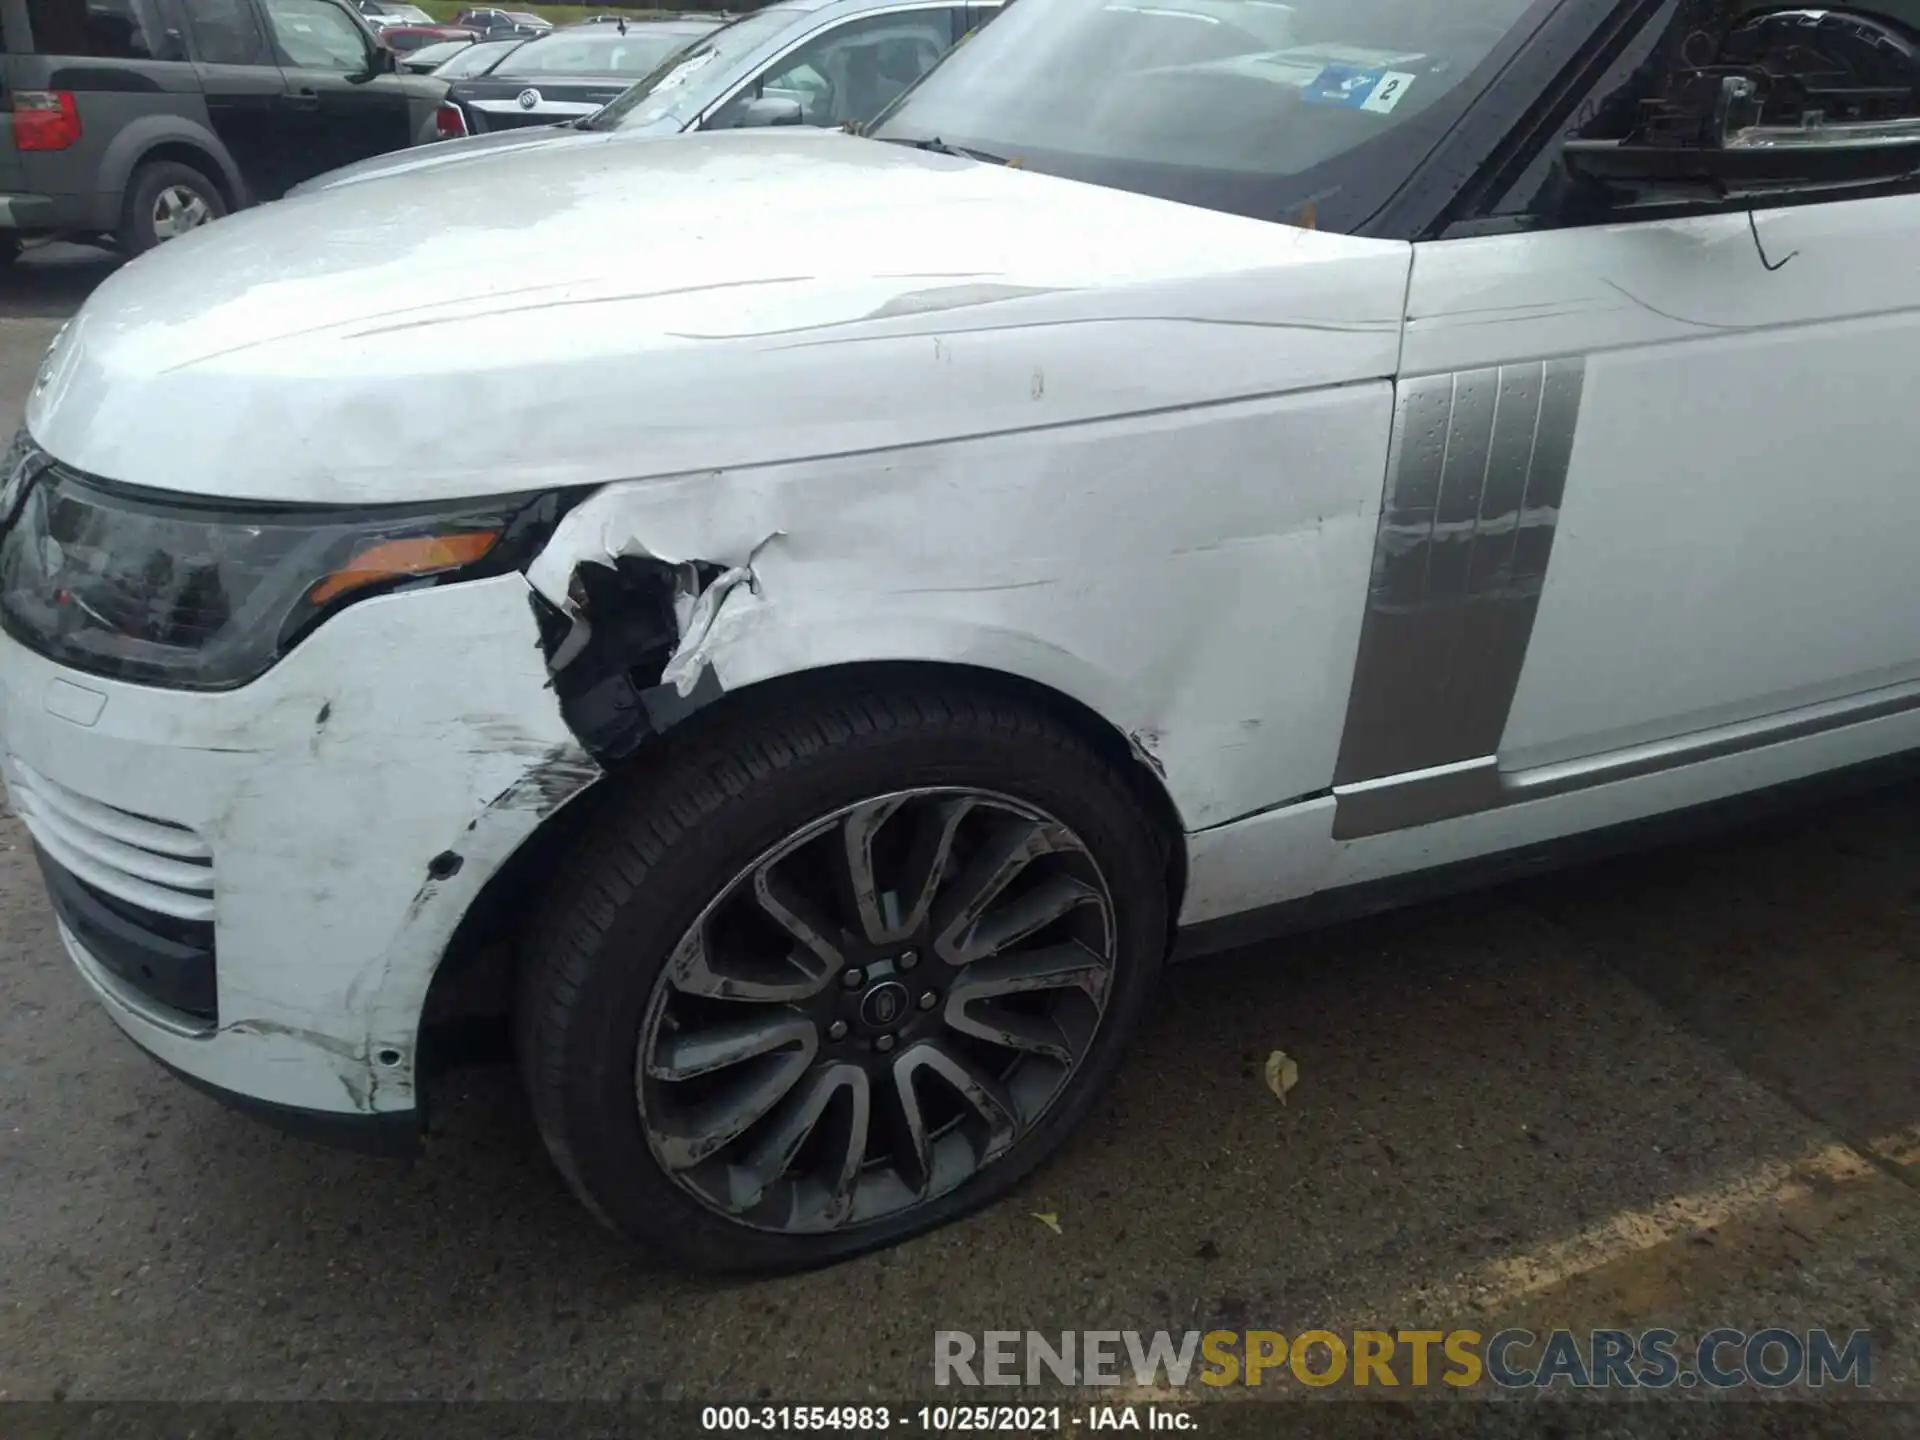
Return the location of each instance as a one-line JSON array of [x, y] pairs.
[[1679, 1089]]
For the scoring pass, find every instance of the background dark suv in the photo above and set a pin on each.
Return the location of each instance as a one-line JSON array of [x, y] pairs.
[[135, 120]]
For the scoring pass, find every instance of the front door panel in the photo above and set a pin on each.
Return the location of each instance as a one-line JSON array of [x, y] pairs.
[[1737, 530]]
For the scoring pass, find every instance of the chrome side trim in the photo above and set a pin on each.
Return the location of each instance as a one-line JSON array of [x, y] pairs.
[[1400, 802], [1722, 740], [1477, 465]]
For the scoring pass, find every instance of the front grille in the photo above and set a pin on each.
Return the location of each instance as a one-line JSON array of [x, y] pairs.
[[166, 961], [153, 865]]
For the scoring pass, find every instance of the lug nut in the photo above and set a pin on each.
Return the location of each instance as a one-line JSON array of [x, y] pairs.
[[883, 1044], [909, 959], [852, 979], [837, 1030], [929, 1000]]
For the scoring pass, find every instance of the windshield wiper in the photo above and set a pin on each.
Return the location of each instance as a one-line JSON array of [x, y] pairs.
[[940, 147]]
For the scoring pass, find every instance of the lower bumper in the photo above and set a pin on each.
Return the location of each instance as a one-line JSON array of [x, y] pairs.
[[49, 212], [393, 1133], [161, 1036]]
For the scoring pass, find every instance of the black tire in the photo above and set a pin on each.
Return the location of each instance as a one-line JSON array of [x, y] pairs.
[[679, 829], [137, 233], [9, 249]]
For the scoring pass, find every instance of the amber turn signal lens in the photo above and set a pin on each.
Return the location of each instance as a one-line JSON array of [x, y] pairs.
[[393, 559]]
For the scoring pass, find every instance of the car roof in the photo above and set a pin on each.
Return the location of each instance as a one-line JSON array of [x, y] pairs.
[[680, 25]]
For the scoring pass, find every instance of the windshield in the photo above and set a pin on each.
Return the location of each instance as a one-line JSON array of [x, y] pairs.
[[635, 53], [696, 76], [474, 59], [1312, 111]]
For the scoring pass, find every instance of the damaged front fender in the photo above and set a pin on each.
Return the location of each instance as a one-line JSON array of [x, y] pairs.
[[627, 634], [1194, 579]]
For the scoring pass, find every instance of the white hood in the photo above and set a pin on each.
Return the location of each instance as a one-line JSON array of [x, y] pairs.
[[637, 306]]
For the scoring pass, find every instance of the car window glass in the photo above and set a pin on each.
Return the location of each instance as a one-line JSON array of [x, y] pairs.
[[107, 29], [1625, 82], [313, 35], [854, 71], [974, 16], [480, 58], [1250, 106], [636, 53], [225, 32], [695, 77]]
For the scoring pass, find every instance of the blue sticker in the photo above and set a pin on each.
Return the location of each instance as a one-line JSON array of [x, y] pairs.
[[1344, 85], [1352, 88]]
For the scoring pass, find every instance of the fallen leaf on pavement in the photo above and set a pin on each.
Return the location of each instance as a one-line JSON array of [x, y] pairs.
[[1282, 1074]]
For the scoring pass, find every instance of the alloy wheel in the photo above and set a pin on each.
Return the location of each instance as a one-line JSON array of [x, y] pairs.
[[876, 1009], [178, 209]]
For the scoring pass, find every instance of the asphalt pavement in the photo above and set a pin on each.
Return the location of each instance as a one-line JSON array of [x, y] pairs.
[[1679, 1089]]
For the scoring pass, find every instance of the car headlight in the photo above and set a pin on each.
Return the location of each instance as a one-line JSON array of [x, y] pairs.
[[203, 594]]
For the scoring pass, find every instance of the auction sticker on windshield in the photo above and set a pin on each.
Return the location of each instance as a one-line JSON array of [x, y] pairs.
[[1355, 89]]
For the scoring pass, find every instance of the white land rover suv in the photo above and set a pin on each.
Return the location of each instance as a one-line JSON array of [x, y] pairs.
[[804, 624]]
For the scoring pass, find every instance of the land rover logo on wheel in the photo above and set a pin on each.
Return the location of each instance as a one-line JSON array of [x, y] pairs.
[[884, 1003], [529, 98]]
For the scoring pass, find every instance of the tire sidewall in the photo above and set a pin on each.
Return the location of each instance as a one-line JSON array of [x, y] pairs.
[[605, 1144], [136, 227]]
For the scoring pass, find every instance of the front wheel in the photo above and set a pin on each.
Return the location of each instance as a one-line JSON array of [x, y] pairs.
[[831, 974]]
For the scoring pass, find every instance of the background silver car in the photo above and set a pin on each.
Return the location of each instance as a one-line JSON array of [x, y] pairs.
[[836, 62], [807, 62]]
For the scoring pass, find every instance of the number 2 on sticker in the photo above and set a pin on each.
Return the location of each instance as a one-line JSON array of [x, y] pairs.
[[1389, 92]]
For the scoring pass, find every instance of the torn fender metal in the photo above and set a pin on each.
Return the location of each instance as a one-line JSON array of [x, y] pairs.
[[1195, 577], [694, 594]]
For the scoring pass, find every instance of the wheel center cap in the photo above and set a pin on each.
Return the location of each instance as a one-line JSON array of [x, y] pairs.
[[884, 1004]]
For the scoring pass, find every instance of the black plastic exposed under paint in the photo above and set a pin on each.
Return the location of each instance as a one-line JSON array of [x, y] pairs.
[[168, 961], [610, 691]]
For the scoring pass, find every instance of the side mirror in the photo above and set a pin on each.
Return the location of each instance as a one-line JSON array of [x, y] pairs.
[[380, 61], [173, 45], [765, 110], [1763, 118], [1751, 160]]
